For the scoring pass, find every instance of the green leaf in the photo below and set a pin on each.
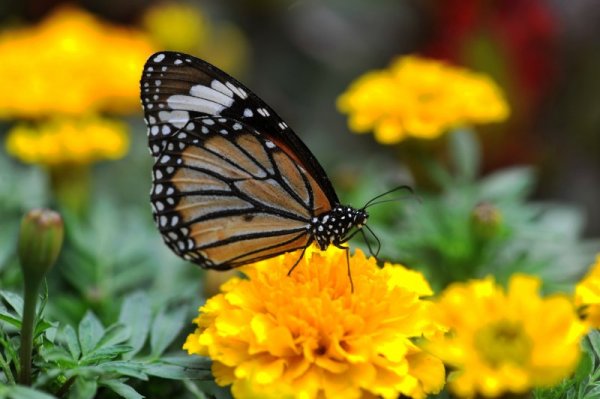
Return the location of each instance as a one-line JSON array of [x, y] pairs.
[[115, 334], [121, 389], [59, 355], [165, 328], [83, 389], [125, 368], [512, 183], [199, 371], [21, 392], [136, 313], [465, 154], [105, 353], [594, 339], [15, 301], [90, 332], [70, 337], [9, 318], [584, 368]]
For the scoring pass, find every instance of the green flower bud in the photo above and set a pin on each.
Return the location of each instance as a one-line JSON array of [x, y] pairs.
[[486, 220], [40, 241]]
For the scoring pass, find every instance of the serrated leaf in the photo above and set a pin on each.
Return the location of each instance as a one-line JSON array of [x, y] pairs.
[[90, 332], [115, 334], [121, 389], [59, 355], [165, 328], [594, 339], [175, 372], [125, 368], [15, 301], [70, 338], [136, 313], [103, 354], [22, 392], [41, 326], [465, 154]]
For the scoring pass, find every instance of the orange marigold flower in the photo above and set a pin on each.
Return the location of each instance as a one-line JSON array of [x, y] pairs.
[[71, 63], [308, 336], [587, 295], [509, 341], [421, 98]]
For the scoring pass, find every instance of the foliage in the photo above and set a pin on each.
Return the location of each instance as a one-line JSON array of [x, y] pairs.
[[79, 362]]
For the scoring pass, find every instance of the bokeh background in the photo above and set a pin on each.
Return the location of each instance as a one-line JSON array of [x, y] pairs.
[[300, 55]]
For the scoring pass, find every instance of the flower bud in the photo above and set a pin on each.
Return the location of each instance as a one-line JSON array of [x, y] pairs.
[[40, 240], [486, 220]]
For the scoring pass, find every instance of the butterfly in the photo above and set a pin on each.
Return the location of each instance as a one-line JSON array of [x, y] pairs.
[[232, 182]]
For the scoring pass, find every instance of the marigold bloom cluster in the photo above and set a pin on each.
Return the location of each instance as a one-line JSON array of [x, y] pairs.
[[421, 98], [509, 341], [307, 336], [68, 141], [587, 295], [71, 63]]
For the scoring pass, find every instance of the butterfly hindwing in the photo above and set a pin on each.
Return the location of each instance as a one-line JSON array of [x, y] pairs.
[[177, 89], [225, 194]]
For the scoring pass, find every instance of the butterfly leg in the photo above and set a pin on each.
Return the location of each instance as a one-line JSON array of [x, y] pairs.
[[347, 249], [297, 262]]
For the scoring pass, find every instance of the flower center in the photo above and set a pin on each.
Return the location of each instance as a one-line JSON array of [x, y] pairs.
[[503, 342]]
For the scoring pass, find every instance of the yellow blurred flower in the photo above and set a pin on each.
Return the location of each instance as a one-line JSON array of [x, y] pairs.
[[422, 98], [68, 141], [587, 295], [184, 27], [505, 341], [71, 63], [308, 336]]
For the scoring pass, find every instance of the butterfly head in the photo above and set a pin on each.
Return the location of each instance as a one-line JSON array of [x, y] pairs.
[[337, 226]]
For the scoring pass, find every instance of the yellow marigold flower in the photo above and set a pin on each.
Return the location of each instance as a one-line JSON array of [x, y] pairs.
[[308, 336], [184, 27], [421, 98], [506, 341], [68, 141], [587, 295], [71, 63]]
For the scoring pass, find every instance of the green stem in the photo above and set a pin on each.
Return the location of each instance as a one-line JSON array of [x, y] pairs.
[[31, 295]]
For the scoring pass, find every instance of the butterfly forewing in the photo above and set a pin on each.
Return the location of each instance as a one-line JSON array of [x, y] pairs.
[[224, 194], [178, 89]]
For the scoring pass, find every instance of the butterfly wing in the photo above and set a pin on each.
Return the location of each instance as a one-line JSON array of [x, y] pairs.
[[225, 195], [177, 88], [232, 183]]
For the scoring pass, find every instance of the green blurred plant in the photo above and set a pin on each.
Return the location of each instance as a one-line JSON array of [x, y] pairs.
[[479, 226]]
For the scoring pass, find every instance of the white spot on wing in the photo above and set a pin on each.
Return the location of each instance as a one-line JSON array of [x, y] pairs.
[[248, 113], [159, 58], [220, 87], [177, 118]]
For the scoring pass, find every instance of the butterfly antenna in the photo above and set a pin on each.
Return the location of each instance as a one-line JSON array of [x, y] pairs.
[[372, 202]]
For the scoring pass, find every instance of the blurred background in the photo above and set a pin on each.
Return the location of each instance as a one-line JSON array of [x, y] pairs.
[[300, 55]]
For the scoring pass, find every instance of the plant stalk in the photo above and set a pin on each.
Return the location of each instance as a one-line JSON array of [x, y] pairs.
[[27, 326]]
